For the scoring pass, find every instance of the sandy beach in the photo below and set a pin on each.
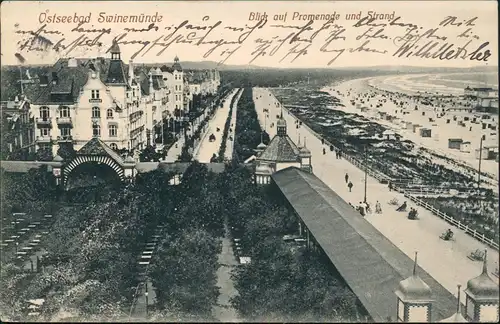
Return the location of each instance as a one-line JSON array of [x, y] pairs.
[[393, 95]]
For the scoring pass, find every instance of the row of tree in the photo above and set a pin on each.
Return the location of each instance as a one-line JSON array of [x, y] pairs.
[[283, 282], [248, 132], [90, 270], [227, 127], [186, 155]]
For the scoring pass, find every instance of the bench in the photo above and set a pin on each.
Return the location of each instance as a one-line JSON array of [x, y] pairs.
[[477, 255]]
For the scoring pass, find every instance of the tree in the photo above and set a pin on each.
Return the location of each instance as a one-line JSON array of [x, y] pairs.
[[66, 151], [44, 154], [148, 154], [190, 260]]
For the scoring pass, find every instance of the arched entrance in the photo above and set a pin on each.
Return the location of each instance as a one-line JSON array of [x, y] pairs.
[[95, 163], [92, 174]]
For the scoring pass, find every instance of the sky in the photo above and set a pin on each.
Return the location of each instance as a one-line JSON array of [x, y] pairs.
[[351, 48]]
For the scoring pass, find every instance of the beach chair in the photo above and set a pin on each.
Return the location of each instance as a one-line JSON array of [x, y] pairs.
[[394, 201], [477, 255]]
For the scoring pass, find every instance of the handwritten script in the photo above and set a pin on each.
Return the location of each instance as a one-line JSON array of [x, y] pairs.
[[452, 38]]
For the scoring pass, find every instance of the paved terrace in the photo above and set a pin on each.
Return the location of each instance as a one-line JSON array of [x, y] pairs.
[[445, 261]]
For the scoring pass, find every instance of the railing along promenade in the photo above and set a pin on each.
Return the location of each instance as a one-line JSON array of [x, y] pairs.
[[409, 193]]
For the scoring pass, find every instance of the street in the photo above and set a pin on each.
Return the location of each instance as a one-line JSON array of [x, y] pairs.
[[207, 149]]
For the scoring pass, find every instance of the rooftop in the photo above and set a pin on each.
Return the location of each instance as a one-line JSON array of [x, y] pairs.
[[371, 265], [280, 149]]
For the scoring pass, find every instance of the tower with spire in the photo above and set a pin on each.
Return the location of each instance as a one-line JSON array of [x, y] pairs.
[[482, 300], [280, 153], [414, 299]]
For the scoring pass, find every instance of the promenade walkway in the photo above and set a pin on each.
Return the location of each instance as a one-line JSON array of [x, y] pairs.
[[447, 262]]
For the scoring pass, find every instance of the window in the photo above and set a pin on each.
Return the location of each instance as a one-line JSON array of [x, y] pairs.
[[64, 112], [44, 113], [65, 131], [96, 112], [96, 130], [133, 92], [45, 132], [110, 113], [95, 94], [113, 130], [113, 146]]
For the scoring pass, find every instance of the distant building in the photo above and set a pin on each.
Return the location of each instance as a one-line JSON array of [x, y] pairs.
[[465, 147], [454, 143], [281, 153], [19, 131]]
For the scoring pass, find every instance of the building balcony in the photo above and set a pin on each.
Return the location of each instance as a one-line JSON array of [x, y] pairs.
[[44, 139], [47, 121], [64, 121], [95, 100], [65, 138], [96, 120]]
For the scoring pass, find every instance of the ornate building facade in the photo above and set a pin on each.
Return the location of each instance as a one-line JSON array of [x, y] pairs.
[[281, 153], [84, 98]]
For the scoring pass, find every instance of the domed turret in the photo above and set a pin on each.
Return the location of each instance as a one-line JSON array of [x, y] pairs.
[[482, 287], [304, 152], [261, 146], [457, 317], [413, 295], [414, 288]]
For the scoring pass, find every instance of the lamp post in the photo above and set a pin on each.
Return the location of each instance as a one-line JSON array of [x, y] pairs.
[[147, 301], [480, 158], [366, 170]]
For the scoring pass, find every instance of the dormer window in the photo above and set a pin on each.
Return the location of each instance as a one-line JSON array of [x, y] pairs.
[[95, 94], [109, 114]]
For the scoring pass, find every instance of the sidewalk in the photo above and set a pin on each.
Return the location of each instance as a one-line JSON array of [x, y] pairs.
[[447, 262], [230, 143]]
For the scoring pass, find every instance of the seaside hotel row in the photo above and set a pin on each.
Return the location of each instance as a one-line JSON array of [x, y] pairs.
[[79, 99]]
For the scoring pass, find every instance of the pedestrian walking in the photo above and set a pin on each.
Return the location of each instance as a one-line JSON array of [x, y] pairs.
[[362, 208], [378, 208], [390, 186], [346, 178], [350, 185], [324, 151]]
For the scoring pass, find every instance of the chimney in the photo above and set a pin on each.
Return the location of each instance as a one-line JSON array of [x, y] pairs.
[[131, 71]]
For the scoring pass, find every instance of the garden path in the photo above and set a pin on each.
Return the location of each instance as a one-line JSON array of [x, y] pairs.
[[223, 311], [447, 262]]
